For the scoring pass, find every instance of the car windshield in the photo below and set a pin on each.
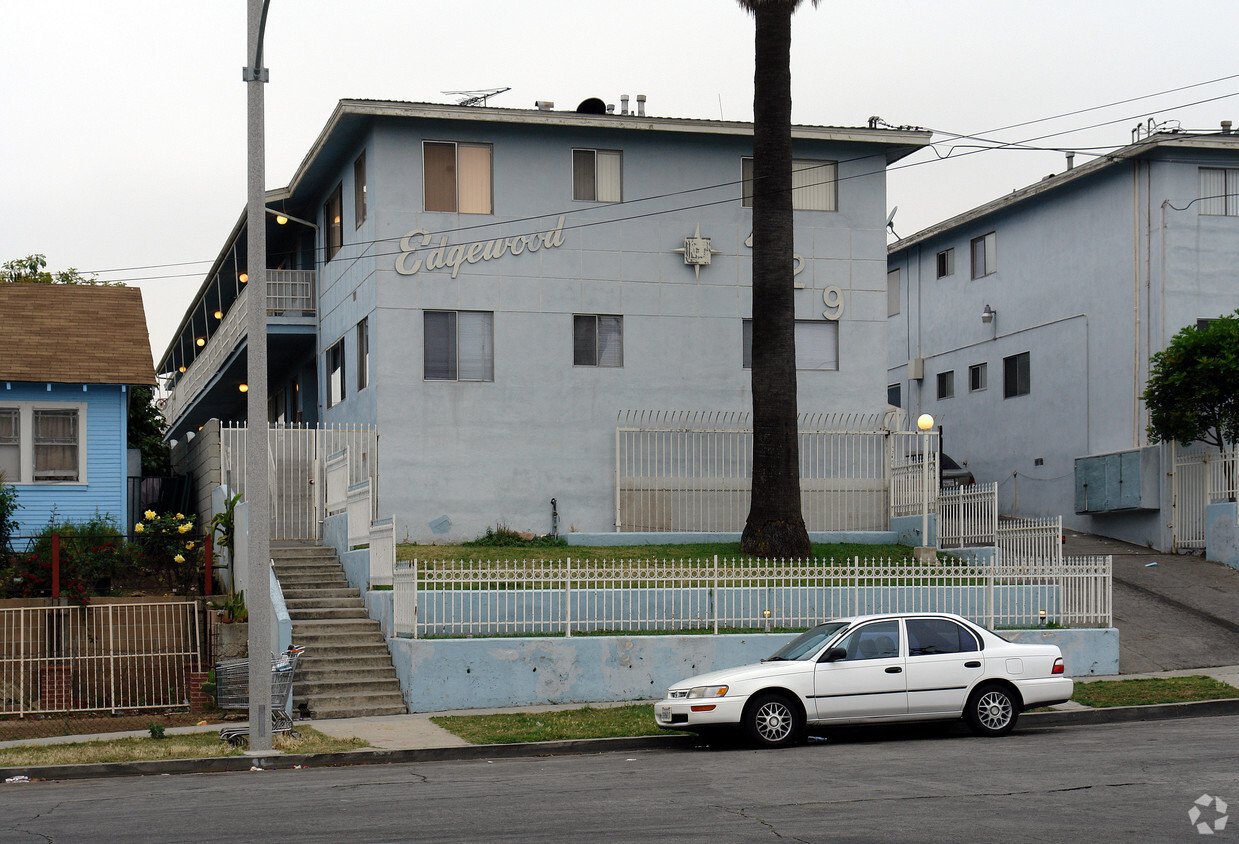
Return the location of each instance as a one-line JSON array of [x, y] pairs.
[[808, 642]]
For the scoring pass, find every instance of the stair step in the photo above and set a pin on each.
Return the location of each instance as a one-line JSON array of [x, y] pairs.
[[336, 688], [345, 670], [299, 592], [349, 700], [326, 614], [299, 604]]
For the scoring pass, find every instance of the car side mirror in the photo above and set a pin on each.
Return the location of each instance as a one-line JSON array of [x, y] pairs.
[[834, 654]]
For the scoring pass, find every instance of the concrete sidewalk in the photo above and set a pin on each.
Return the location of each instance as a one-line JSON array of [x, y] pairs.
[[417, 732]]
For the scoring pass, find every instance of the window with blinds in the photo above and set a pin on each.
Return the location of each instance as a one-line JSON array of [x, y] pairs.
[[597, 175], [597, 340], [814, 184], [1219, 191], [458, 346], [456, 177]]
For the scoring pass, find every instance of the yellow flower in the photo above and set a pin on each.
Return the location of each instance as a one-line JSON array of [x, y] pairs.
[[179, 558], [139, 527], [189, 546], [179, 516], [185, 528], [150, 515]]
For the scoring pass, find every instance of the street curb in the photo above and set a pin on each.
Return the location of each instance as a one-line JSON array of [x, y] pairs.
[[1128, 714], [284, 761]]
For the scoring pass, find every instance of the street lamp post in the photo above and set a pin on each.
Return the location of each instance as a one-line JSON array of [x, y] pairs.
[[926, 552], [257, 482]]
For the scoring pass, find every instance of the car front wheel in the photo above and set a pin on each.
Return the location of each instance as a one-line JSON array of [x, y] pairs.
[[991, 711], [771, 720]]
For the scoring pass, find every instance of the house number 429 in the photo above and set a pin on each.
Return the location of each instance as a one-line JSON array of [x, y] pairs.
[[832, 298]]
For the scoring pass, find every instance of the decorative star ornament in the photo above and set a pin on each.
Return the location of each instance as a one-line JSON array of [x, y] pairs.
[[697, 251]]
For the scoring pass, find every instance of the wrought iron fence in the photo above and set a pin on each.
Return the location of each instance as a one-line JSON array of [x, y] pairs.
[[566, 597], [107, 656], [967, 516]]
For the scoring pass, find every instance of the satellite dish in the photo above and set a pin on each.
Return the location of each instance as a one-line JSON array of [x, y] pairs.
[[890, 218], [592, 106]]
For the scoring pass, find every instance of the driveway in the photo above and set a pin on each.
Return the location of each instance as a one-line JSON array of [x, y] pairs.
[[1182, 612]]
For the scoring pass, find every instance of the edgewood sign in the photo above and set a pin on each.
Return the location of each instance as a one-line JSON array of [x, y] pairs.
[[416, 253]]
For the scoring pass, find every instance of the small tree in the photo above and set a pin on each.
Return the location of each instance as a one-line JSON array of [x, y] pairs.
[[1193, 390], [33, 270], [146, 428]]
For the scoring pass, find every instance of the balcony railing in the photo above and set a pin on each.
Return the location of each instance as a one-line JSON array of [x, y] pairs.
[[289, 293]]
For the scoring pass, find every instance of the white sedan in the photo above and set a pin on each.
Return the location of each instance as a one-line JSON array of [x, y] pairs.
[[874, 669]]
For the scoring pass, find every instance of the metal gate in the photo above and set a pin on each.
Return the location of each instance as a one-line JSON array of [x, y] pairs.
[[1202, 476], [297, 456]]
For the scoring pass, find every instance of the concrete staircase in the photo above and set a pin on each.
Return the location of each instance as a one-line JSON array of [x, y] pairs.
[[346, 671]]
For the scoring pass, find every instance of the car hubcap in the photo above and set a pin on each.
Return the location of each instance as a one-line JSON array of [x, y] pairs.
[[774, 722], [994, 710]]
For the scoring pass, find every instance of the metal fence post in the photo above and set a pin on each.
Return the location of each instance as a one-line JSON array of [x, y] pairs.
[[415, 594], [714, 596], [568, 600]]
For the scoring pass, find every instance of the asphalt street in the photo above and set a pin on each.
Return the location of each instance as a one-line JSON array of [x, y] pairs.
[[1128, 782]]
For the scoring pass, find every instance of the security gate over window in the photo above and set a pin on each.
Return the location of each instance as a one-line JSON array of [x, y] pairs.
[[297, 456]]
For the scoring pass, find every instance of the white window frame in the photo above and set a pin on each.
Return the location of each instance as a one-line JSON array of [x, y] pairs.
[[604, 354], [1219, 191], [488, 207], [483, 324], [25, 415], [978, 377], [815, 184], [988, 265], [946, 384], [810, 355], [946, 263], [589, 190], [363, 354], [334, 364]]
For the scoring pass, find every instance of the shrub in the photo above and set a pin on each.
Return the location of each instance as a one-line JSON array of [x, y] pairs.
[[8, 522], [503, 536], [91, 553], [169, 549]]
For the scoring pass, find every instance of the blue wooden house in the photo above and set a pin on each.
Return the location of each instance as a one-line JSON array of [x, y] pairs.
[[68, 356]]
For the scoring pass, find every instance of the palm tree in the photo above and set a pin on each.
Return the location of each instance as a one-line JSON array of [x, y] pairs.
[[775, 525]]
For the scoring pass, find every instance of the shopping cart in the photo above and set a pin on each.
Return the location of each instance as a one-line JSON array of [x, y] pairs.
[[232, 679]]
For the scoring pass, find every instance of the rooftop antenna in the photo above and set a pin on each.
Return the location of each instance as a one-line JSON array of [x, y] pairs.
[[481, 95]]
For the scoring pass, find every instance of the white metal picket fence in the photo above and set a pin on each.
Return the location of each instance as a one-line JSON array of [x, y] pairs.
[[692, 471], [1202, 476], [967, 516], [1030, 539], [298, 457], [98, 657], [563, 597]]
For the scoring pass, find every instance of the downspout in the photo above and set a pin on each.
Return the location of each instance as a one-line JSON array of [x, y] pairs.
[[1135, 295]]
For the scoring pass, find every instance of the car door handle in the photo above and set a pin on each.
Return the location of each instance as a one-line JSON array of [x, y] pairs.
[[972, 663], [894, 669]]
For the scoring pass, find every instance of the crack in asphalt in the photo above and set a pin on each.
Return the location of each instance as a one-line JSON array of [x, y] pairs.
[[903, 799], [420, 779], [34, 818], [769, 826]]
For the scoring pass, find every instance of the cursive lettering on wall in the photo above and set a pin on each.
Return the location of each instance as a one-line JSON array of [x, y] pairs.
[[417, 253]]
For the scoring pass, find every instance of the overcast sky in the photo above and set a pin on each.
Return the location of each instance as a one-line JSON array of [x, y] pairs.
[[123, 137]]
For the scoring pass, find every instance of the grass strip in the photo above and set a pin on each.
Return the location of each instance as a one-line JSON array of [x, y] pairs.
[[557, 725], [179, 746], [1150, 691], [840, 553]]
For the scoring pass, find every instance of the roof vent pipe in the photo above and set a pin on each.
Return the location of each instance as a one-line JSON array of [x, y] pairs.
[[640, 105], [1071, 160], [623, 103], [1225, 127]]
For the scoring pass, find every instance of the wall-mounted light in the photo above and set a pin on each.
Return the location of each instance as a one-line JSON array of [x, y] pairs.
[[245, 388], [244, 277], [219, 314], [987, 315], [282, 218], [181, 368], [201, 341]]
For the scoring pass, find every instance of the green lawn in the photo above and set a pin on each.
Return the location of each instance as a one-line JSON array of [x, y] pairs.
[[1145, 692], [839, 552]]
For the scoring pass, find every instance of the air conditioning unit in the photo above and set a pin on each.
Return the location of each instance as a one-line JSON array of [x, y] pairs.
[[916, 369]]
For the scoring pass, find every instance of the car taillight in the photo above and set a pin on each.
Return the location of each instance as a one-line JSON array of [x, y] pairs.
[[1058, 668]]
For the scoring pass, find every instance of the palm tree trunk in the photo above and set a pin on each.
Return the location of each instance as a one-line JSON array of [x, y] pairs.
[[775, 525]]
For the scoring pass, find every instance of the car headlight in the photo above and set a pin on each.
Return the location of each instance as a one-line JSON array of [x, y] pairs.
[[707, 691]]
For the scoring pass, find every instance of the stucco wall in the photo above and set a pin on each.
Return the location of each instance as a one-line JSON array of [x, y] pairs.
[[451, 449], [442, 674]]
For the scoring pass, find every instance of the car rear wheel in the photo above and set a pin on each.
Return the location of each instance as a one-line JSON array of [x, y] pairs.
[[771, 720], [991, 711]]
